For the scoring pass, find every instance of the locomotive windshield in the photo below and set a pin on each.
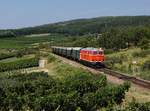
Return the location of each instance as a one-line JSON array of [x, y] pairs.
[[97, 52], [101, 52]]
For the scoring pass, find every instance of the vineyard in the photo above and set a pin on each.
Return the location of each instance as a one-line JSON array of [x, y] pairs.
[[6, 55], [19, 64], [20, 91]]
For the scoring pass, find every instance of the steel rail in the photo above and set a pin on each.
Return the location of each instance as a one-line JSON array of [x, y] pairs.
[[135, 80]]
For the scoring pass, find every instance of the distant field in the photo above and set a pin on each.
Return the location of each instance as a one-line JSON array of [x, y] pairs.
[[37, 35], [10, 43], [20, 42], [15, 58]]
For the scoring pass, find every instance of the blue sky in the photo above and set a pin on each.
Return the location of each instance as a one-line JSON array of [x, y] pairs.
[[23, 13]]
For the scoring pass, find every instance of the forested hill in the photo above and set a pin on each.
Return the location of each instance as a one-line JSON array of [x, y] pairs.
[[82, 26]]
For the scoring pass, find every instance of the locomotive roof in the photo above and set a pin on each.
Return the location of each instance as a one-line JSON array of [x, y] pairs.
[[92, 49]]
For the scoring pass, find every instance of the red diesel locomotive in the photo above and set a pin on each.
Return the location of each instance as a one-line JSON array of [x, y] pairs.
[[92, 56]]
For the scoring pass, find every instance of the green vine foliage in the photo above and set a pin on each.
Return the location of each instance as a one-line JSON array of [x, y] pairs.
[[19, 64], [39, 91]]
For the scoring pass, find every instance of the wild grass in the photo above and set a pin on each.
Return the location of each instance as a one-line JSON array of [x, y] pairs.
[[133, 61]]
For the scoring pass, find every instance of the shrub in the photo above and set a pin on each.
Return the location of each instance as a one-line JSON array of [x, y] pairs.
[[7, 33], [146, 65], [84, 83], [26, 51], [108, 95], [2, 96], [109, 51], [132, 106], [142, 53], [38, 91], [110, 61], [51, 58], [19, 64], [7, 55], [144, 44], [19, 54], [145, 53], [115, 59]]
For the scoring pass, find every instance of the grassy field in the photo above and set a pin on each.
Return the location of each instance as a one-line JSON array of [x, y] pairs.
[[133, 61], [21, 42], [52, 39], [16, 59]]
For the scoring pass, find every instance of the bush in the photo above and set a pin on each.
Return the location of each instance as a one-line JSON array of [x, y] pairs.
[[38, 91], [132, 106], [19, 64], [109, 51], [51, 58], [2, 96], [144, 44], [145, 53], [110, 94], [7, 55], [26, 51], [111, 61], [84, 83], [18, 53], [142, 53], [7, 33], [114, 59], [146, 65]]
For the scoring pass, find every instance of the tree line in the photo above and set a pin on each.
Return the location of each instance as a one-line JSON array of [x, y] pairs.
[[114, 38], [82, 26]]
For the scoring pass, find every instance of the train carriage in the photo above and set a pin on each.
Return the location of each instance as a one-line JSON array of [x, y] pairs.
[[63, 52], [76, 53], [59, 51], [69, 52]]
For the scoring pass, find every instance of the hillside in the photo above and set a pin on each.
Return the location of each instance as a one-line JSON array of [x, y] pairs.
[[82, 26]]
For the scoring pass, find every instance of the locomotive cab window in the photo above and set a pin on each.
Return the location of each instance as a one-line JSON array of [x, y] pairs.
[[101, 52], [95, 53]]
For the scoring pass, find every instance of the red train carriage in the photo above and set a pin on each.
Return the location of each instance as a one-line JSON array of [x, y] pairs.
[[92, 56]]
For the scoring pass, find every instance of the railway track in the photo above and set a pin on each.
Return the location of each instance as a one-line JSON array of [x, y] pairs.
[[121, 76], [135, 80]]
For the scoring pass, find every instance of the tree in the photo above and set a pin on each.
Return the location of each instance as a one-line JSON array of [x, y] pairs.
[[144, 44]]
